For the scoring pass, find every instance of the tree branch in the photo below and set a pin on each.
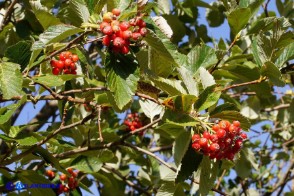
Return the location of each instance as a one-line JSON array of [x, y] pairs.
[[244, 84], [51, 135]]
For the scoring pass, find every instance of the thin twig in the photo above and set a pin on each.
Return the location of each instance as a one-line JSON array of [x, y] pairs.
[[99, 123], [265, 7], [283, 181], [244, 84], [220, 179], [7, 15], [160, 148], [128, 182], [220, 60]]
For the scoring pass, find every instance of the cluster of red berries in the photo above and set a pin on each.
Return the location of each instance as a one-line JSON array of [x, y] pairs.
[[65, 64], [133, 121], [119, 34], [224, 143], [68, 183]]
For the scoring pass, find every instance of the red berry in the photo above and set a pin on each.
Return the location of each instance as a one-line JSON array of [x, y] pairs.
[[67, 62], [213, 138], [233, 129], [141, 23], [62, 177], [74, 58], [143, 31], [243, 136], [68, 54], [132, 128], [125, 49], [230, 156], [127, 34], [206, 135], [215, 127], [62, 56], [55, 71], [221, 133], [203, 142], [107, 30], [66, 71], [75, 174], [196, 146], [136, 36], [70, 170], [65, 189], [116, 11], [106, 40], [73, 72], [115, 28], [53, 63], [103, 25], [238, 144], [72, 66], [195, 138], [224, 124], [236, 123], [59, 64], [124, 25], [118, 42], [214, 147]]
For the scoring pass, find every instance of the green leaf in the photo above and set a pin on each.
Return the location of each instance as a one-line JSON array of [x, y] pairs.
[[180, 146], [167, 188], [261, 50], [189, 164], [273, 73], [207, 98], [209, 172], [19, 53], [7, 112], [10, 80], [181, 119], [122, 78], [170, 86], [206, 78], [46, 19], [170, 130], [87, 164], [78, 12], [162, 45], [238, 19], [24, 139], [224, 107], [49, 158], [268, 23], [246, 163], [201, 56], [32, 177], [150, 108], [233, 115], [190, 82], [55, 34], [180, 103], [53, 80], [215, 17], [286, 55]]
